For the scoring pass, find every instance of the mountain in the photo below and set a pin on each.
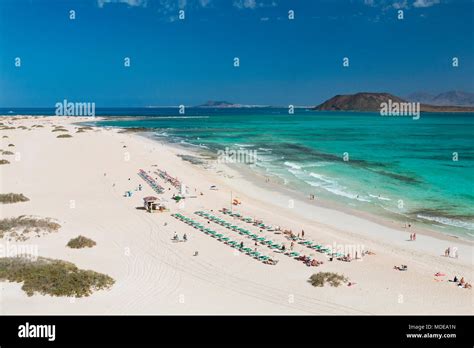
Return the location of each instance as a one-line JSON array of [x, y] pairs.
[[367, 101], [357, 102], [420, 97], [457, 98]]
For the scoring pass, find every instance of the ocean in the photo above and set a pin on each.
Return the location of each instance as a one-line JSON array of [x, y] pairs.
[[416, 171]]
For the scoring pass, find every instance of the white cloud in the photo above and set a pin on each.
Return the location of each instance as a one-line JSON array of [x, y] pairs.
[[400, 4], [204, 3], [132, 3], [245, 4], [165, 6], [425, 3], [253, 4]]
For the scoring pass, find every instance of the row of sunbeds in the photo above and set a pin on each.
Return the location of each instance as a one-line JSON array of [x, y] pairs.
[[168, 178], [244, 232], [221, 237], [150, 181], [306, 243]]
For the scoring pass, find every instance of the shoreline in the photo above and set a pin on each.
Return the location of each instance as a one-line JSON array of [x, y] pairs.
[[257, 178], [251, 177]]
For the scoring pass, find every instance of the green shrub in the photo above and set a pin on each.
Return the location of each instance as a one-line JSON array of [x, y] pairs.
[[334, 279], [20, 227], [7, 198], [64, 136], [81, 242], [59, 130], [52, 277], [4, 161], [7, 153]]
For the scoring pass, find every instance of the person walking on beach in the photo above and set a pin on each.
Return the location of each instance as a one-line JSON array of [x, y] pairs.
[[411, 236], [291, 245], [414, 236], [302, 233], [185, 237], [241, 245]]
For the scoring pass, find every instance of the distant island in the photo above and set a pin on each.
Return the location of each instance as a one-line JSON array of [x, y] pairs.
[[453, 98], [367, 101], [225, 104]]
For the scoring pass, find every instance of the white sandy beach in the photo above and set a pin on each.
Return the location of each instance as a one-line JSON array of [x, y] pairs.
[[155, 275]]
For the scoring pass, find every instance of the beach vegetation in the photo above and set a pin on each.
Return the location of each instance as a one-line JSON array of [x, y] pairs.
[[64, 136], [81, 242], [4, 161], [19, 228], [11, 145], [7, 153], [321, 278], [7, 198], [60, 130], [52, 277]]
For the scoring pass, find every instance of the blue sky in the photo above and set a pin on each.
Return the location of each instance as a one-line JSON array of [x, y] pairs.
[[191, 61]]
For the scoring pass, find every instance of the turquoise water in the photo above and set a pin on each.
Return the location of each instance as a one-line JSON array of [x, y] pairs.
[[396, 166]]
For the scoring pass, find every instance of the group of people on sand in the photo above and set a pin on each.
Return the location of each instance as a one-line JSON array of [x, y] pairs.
[[176, 238], [401, 268], [346, 258], [413, 236], [308, 261], [451, 252], [294, 236], [462, 283]]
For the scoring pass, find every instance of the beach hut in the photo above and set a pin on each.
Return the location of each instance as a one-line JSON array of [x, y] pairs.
[[152, 204]]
